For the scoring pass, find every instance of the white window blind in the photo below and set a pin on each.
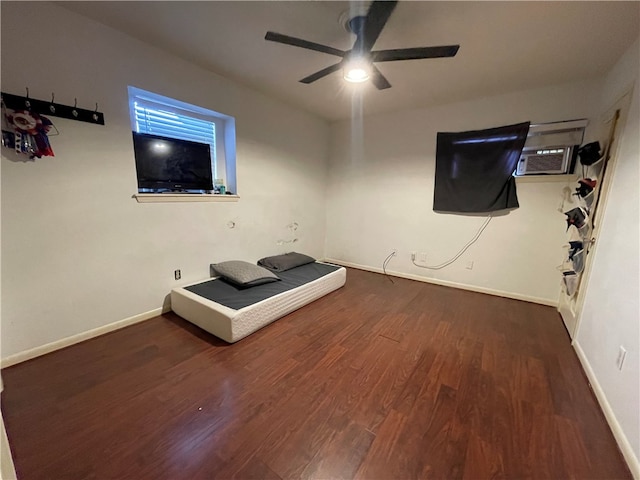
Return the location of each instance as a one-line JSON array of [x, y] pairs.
[[158, 121]]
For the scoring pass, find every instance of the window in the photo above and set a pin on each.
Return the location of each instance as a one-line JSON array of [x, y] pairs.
[[550, 148], [154, 115]]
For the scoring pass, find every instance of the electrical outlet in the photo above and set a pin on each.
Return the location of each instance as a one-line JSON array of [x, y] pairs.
[[177, 274], [423, 257], [469, 265], [622, 353]]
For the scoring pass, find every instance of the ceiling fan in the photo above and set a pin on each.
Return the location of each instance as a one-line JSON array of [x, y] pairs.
[[358, 63]]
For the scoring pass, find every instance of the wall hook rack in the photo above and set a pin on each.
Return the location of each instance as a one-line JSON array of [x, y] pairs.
[[44, 107]]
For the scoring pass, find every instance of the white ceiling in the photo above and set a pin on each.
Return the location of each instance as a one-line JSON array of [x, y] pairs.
[[504, 46]]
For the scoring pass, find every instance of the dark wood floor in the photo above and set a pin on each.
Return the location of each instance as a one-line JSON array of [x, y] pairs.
[[374, 381]]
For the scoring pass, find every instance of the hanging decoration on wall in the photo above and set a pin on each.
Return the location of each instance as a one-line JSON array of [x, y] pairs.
[[27, 133], [585, 191], [585, 187], [26, 129], [589, 153], [577, 216]]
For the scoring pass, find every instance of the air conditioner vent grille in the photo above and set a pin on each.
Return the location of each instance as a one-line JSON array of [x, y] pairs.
[[544, 163]]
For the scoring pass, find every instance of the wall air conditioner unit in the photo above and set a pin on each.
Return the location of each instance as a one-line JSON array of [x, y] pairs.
[[550, 148], [554, 161]]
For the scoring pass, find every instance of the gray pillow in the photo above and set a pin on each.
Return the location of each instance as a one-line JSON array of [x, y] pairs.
[[287, 261], [243, 274]]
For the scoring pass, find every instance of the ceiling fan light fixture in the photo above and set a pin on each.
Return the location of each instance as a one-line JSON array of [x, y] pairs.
[[356, 75], [356, 71]]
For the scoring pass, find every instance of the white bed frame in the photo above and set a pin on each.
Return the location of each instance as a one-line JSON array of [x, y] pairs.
[[232, 325]]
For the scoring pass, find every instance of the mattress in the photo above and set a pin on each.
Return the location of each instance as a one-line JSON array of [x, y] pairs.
[[233, 324]]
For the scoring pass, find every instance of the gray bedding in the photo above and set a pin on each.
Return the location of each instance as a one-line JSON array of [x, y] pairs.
[[224, 293], [286, 261]]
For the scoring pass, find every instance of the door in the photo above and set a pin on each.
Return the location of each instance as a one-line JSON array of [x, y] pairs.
[[610, 128]]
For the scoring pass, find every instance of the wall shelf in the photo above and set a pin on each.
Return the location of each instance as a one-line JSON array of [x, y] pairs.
[[547, 178], [182, 197]]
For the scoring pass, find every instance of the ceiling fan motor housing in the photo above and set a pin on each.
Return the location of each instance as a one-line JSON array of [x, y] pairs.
[[356, 24], [356, 9]]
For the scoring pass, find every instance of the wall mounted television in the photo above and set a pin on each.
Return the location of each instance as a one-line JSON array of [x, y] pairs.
[[170, 165]]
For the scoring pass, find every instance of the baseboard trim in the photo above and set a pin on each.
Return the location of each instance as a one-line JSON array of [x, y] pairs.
[[80, 337], [623, 443], [446, 283]]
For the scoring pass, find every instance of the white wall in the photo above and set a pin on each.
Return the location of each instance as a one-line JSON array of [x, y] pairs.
[[380, 196], [7, 470], [78, 252], [611, 311]]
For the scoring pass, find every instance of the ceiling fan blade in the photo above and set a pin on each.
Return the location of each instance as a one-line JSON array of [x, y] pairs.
[[322, 73], [377, 16], [378, 79], [298, 42], [414, 53]]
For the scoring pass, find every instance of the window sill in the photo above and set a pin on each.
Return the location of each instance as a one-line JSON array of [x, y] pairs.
[[546, 178], [183, 197]]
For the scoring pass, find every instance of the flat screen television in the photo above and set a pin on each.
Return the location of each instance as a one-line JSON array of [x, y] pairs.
[[169, 164]]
